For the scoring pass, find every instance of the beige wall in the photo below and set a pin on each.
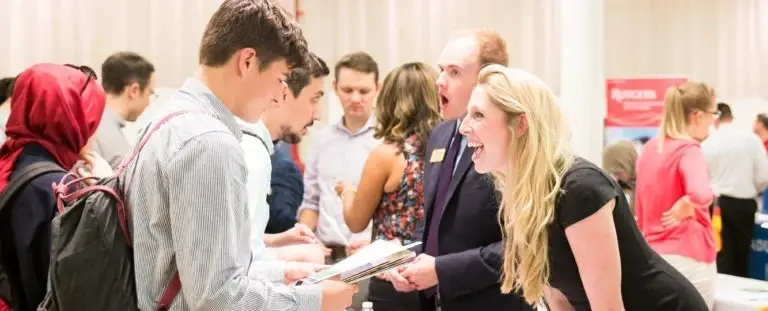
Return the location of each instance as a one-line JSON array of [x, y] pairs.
[[723, 42]]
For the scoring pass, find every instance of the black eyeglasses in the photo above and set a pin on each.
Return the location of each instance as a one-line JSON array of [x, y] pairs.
[[87, 71], [714, 113]]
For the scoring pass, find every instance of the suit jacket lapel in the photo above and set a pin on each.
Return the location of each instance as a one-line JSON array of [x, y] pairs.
[[432, 172], [461, 169]]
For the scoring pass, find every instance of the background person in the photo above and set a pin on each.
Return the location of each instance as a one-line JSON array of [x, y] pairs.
[[738, 167], [673, 188], [619, 159], [391, 190], [57, 109], [129, 81]]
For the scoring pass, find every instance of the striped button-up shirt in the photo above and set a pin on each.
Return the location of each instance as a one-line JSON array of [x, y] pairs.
[[188, 210]]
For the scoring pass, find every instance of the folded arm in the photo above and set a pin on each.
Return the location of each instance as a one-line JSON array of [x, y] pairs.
[[693, 169]]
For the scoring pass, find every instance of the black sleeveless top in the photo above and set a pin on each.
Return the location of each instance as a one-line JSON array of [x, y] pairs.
[[648, 282]]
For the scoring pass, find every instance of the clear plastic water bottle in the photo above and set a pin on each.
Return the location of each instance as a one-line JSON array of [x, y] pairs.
[[367, 306]]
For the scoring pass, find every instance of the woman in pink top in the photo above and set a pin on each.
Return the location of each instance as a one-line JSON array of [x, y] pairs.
[[673, 192]]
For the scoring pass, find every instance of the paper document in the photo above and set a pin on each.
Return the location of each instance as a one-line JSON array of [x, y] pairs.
[[367, 262]]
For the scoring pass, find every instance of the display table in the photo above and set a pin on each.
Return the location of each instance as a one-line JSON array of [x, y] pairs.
[[740, 294], [758, 258]]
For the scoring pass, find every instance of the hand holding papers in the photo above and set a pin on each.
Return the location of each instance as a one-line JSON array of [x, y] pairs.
[[354, 246], [373, 259], [421, 273], [295, 271]]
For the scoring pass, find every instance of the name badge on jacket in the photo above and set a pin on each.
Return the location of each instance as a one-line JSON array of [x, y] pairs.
[[437, 155]]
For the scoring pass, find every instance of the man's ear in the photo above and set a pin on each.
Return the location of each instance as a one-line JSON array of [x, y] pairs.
[[246, 59], [133, 91]]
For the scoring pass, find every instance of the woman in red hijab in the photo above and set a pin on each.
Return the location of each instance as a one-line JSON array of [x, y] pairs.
[[55, 111]]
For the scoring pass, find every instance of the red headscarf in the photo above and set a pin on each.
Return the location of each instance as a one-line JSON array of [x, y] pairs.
[[55, 106]]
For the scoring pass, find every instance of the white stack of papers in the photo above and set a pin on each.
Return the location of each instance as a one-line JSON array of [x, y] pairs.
[[378, 257]]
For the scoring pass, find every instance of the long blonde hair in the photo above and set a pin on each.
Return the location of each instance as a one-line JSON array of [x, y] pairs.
[[679, 102], [539, 157]]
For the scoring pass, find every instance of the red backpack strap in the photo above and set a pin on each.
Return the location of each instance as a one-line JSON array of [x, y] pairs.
[[170, 293], [128, 158]]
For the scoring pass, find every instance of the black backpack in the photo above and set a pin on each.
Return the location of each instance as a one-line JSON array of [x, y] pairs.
[[8, 294], [92, 265]]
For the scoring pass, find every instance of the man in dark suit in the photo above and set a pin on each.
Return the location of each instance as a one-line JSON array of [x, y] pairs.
[[460, 267]]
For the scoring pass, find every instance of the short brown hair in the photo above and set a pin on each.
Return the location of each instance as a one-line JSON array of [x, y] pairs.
[[492, 49], [763, 118], [123, 69], [725, 111], [300, 77], [358, 61], [262, 25]]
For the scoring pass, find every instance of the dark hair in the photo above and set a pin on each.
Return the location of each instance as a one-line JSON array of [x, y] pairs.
[[122, 69], [262, 25], [725, 111], [358, 61], [407, 105], [763, 118], [6, 88], [299, 78]]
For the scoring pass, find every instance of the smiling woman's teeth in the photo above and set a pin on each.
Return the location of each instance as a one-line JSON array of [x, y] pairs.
[[474, 145]]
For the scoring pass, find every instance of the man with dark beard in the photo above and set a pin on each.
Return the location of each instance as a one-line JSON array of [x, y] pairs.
[[286, 119]]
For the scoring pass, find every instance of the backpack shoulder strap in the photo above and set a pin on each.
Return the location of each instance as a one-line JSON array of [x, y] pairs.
[[26, 175], [143, 141], [264, 143]]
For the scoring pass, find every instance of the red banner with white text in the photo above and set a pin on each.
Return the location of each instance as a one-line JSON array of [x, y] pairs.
[[637, 102]]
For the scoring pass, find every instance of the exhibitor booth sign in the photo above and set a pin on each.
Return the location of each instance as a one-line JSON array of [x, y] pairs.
[[637, 102], [635, 107]]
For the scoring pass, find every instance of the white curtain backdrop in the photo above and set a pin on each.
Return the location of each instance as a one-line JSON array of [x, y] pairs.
[[722, 42], [86, 31]]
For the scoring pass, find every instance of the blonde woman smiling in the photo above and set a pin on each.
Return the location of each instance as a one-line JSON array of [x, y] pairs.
[[570, 236]]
